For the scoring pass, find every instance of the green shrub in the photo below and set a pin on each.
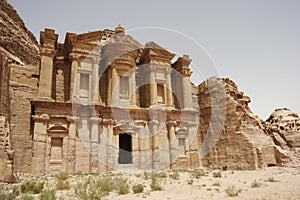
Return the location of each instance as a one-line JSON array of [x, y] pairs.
[[231, 191], [198, 173], [89, 189], [217, 174], [138, 188], [190, 182], [27, 197], [105, 184], [138, 175], [155, 186], [146, 175], [62, 185], [6, 195], [216, 184], [48, 195], [16, 191], [162, 175], [121, 185], [272, 179], [175, 175], [255, 184], [32, 187], [62, 176]]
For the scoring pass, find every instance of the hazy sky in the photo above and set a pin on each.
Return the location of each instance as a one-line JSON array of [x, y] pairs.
[[256, 43]]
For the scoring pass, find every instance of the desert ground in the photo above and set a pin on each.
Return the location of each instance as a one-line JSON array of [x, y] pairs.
[[269, 183]]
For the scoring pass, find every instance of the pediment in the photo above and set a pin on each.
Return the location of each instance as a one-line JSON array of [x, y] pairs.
[[58, 128], [126, 127], [181, 132]]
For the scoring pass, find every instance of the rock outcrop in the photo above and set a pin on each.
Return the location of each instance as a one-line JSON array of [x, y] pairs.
[[16, 41], [284, 126], [6, 153], [232, 136]]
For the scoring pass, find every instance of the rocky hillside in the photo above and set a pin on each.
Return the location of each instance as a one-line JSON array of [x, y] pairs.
[[229, 130], [16, 41]]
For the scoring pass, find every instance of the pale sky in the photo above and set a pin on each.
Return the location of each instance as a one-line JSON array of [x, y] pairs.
[[255, 43]]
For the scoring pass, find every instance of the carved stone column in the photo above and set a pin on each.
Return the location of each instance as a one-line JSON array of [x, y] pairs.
[[39, 153], [115, 88], [111, 151], [155, 148], [173, 143], [94, 143], [133, 90], [73, 75], [169, 89], [102, 146], [71, 144], [153, 86], [192, 144], [187, 94], [95, 83], [46, 73]]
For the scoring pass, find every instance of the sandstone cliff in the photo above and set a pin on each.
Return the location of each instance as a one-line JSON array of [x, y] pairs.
[[16, 41], [230, 132], [284, 127], [6, 153]]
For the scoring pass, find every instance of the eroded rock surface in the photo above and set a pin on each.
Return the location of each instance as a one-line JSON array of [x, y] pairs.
[[241, 141], [284, 125], [6, 153], [16, 41]]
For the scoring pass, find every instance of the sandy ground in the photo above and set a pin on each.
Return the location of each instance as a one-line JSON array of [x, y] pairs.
[[274, 183], [286, 185]]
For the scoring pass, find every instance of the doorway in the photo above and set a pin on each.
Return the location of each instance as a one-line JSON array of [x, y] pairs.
[[125, 148]]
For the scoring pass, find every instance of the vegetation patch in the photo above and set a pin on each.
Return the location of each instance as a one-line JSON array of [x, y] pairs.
[[138, 188], [231, 191]]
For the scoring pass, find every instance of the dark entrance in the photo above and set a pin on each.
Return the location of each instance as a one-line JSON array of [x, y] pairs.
[[125, 149]]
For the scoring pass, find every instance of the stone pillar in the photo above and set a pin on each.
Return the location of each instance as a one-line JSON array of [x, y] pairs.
[[173, 144], [133, 90], [46, 74], [111, 151], [102, 146], [115, 87], [155, 148], [146, 159], [141, 153], [153, 86], [187, 94], [192, 144], [182, 67], [94, 143], [95, 83], [71, 145], [169, 90], [73, 75], [39, 145], [136, 150]]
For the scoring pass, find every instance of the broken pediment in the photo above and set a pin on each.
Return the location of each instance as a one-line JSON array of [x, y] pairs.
[[125, 127], [57, 128]]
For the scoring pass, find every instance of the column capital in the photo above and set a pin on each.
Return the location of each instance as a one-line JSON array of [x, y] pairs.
[[153, 122], [48, 52], [72, 119], [108, 121], [41, 118], [95, 120], [74, 57], [171, 123]]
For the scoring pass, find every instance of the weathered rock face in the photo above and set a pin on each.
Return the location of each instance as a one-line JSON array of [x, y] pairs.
[[230, 133], [16, 41], [6, 153], [284, 126]]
